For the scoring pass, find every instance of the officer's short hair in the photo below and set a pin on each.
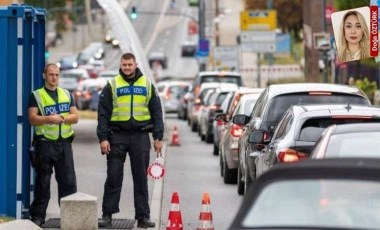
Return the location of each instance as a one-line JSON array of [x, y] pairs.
[[127, 56], [47, 66]]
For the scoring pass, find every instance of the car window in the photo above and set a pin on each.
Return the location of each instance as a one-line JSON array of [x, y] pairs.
[[316, 203], [226, 103], [260, 104], [283, 126], [222, 78], [161, 88], [278, 105], [220, 98], [364, 144]]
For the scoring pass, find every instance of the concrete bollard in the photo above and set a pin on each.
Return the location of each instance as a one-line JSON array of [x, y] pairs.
[[79, 211]]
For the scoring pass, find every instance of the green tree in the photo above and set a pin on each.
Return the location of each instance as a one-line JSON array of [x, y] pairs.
[[350, 4], [369, 88], [56, 9], [289, 13]]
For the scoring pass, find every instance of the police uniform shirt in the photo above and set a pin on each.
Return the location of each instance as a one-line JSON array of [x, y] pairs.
[[53, 94]]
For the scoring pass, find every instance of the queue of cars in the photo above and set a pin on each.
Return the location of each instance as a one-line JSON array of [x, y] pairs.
[[272, 142]]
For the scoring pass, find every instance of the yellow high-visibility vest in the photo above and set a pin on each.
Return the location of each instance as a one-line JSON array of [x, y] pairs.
[[48, 106], [130, 100]]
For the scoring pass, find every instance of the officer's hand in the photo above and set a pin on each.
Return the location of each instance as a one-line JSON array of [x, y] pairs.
[[105, 147], [158, 147], [55, 119]]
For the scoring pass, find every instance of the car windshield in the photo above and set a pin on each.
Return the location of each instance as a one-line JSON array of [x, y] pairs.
[[363, 144], [222, 78], [71, 75], [280, 104], [316, 203]]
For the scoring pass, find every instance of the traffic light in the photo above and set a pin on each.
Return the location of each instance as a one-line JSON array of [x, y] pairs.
[[133, 13], [47, 54]]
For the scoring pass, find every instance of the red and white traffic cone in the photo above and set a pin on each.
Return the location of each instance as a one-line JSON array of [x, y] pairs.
[[175, 217], [205, 217], [175, 138]]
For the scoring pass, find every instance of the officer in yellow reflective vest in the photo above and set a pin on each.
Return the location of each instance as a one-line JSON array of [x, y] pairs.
[[128, 106], [52, 112]]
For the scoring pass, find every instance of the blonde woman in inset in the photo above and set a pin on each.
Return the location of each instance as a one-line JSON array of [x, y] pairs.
[[354, 37]]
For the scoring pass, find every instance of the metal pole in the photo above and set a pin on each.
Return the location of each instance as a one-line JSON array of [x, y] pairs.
[[201, 12], [258, 71], [325, 58], [217, 38]]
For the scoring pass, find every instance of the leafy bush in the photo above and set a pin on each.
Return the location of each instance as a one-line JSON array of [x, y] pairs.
[[367, 87]]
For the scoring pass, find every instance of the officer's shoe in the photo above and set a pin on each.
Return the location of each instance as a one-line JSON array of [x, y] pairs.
[[38, 221], [145, 223], [106, 220]]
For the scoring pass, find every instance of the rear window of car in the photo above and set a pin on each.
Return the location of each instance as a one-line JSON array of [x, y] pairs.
[[353, 144], [280, 104], [315, 203], [222, 78]]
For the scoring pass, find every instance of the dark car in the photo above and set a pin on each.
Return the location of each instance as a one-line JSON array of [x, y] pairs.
[[68, 62], [314, 194], [272, 104], [208, 114], [182, 106], [301, 126], [350, 140]]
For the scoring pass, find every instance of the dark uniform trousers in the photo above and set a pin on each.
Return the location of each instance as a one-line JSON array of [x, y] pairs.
[[57, 155], [137, 144]]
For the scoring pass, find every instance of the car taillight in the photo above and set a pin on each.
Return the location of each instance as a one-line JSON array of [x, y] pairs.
[[320, 93], [290, 155], [219, 123], [236, 130]]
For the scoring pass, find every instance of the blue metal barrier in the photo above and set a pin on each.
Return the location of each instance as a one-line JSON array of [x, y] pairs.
[[22, 40]]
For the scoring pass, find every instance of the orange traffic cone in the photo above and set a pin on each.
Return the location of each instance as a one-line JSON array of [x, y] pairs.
[[175, 138], [205, 218], [175, 218]]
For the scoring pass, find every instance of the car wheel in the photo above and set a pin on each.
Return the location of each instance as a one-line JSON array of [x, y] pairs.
[[216, 150], [209, 137], [247, 180], [221, 164], [230, 175], [240, 183], [193, 126]]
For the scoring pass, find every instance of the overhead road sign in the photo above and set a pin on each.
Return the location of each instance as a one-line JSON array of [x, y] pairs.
[[258, 41], [203, 48], [258, 20], [257, 36], [226, 58]]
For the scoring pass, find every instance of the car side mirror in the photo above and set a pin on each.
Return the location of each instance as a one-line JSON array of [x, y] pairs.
[[220, 117], [240, 119], [259, 137]]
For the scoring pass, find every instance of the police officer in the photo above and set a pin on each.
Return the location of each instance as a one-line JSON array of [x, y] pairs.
[[128, 106], [52, 112]]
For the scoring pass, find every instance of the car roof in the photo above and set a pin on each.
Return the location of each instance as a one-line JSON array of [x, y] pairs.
[[332, 168], [278, 89], [205, 73], [334, 109], [357, 127], [218, 85]]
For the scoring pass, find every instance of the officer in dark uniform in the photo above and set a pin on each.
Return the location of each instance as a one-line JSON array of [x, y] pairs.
[[129, 108], [52, 112]]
